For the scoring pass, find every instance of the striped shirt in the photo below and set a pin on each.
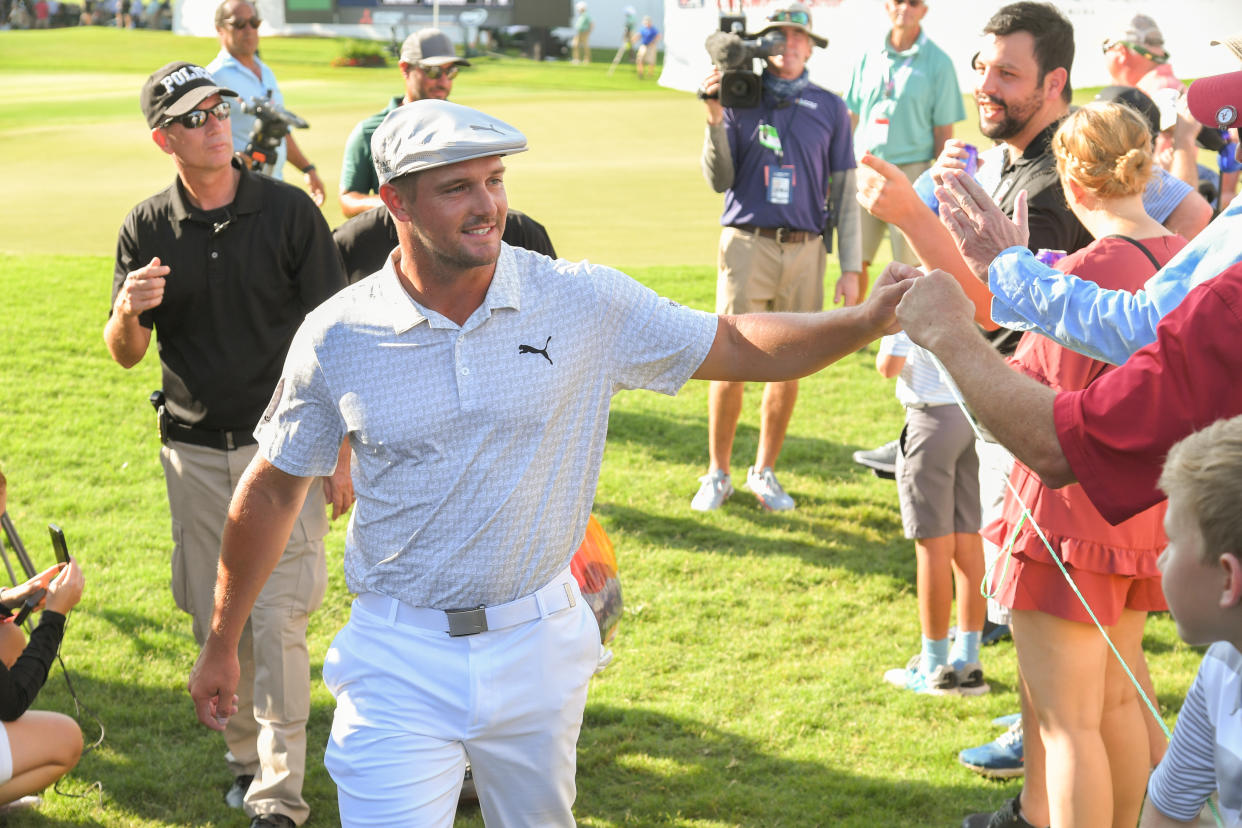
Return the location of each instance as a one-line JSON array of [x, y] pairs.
[[921, 383], [1205, 755]]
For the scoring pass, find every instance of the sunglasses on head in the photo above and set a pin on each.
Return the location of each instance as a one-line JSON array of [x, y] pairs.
[[238, 25], [1138, 48], [434, 72], [195, 118], [801, 18]]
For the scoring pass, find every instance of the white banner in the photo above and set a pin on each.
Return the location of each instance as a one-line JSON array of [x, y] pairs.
[[853, 26]]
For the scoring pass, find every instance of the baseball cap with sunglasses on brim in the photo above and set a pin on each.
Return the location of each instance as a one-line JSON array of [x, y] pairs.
[[430, 47], [1142, 36], [175, 89], [793, 16]]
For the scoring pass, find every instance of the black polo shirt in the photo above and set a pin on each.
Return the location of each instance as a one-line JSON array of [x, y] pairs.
[[1052, 223], [366, 239], [242, 279]]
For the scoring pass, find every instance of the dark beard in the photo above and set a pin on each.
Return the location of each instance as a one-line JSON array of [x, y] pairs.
[[1015, 120]]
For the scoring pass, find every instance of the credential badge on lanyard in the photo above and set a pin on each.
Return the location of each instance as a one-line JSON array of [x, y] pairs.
[[780, 180], [769, 138]]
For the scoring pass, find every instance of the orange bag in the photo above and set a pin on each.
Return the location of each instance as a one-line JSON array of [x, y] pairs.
[[595, 568]]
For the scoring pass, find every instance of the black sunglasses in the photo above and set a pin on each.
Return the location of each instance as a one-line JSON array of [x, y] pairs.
[[434, 72], [238, 25], [195, 118], [914, 4]]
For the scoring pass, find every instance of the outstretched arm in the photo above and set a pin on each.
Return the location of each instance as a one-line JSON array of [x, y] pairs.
[[773, 347], [261, 516], [1017, 410], [886, 193]]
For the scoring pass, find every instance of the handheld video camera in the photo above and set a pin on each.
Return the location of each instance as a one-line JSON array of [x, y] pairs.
[[734, 53], [272, 123]]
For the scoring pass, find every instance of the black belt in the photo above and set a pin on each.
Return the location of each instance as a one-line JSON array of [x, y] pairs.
[[212, 438], [782, 235]]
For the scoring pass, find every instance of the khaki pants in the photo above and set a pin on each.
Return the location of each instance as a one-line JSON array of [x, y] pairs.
[[267, 736], [756, 275]]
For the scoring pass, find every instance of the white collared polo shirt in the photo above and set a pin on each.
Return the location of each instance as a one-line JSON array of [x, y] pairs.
[[476, 447]]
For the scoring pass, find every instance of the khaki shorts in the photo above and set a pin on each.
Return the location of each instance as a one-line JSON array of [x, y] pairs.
[[757, 274], [873, 228]]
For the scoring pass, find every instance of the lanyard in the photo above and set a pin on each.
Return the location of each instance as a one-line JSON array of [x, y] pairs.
[[890, 82], [770, 136]]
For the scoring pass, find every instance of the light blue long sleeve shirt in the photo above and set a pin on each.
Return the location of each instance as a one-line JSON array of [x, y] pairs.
[[1109, 325]]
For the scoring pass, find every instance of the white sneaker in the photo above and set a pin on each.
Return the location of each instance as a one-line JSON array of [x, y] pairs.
[[771, 495], [715, 489], [21, 803]]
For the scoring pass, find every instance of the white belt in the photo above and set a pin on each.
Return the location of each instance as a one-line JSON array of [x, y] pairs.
[[556, 596]]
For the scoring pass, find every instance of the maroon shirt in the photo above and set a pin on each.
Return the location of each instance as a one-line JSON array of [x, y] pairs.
[[1117, 432]]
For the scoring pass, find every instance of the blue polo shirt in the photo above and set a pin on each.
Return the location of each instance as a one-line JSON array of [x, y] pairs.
[[815, 141], [229, 72]]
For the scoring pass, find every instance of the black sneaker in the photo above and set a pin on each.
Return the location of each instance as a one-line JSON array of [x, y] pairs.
[[236, 794], [993, 633], [272, 821], [1009, 816], [882, 461]]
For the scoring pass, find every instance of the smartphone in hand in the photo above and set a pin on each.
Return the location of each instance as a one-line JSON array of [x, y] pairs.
[[58, 543]]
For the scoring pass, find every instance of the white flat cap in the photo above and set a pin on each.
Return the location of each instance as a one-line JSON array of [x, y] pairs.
[[430, 133]]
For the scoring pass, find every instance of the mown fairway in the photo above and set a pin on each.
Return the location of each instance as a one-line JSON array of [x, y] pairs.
[[746, 689]]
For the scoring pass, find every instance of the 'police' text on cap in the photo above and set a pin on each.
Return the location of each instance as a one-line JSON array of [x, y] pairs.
[[176, 88]]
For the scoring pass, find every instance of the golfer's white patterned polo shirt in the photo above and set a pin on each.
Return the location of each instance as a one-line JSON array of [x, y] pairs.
[[476, 448]]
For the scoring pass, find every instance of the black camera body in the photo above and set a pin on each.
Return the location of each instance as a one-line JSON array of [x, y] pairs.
[[734, 53], [272, 123]]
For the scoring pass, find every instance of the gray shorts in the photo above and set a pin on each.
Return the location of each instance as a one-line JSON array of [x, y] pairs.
[[938, 473]]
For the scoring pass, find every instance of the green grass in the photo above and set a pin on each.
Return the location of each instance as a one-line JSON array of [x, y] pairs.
[[746, 689]]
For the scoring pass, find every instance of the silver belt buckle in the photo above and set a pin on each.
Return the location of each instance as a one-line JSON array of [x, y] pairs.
[[466, 621], [781, 235]]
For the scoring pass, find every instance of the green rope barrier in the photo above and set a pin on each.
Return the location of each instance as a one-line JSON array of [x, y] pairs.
[[1007, 552]]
